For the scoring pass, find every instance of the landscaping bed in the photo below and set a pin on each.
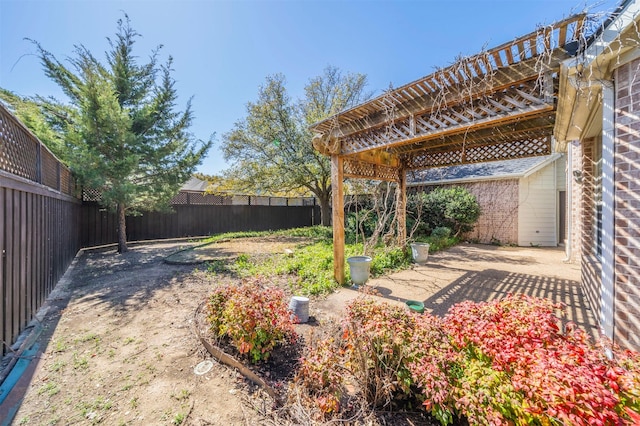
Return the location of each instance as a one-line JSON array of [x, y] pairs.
[[121, 346]]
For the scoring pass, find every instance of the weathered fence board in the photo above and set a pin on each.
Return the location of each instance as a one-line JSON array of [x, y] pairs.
[[39, 237]]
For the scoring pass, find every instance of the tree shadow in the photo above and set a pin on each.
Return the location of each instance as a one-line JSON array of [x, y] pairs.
[[101, 279]]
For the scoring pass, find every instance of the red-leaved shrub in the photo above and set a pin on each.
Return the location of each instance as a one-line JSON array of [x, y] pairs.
[[254, 316], [505, 362], [319, 383], [543, 374]]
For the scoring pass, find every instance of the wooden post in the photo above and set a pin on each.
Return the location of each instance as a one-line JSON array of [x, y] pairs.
[[401, 207], [337, 217]]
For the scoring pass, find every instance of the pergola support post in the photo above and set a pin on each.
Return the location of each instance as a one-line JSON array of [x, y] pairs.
[[337, 216], [401, 207]]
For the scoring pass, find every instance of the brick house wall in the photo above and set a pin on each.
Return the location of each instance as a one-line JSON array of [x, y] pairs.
[[627, 205], [591, 268], [498, 221], [498, 200]]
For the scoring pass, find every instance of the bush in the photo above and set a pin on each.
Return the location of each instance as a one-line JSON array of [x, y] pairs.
[[455, 208], [376, 336], [503, 362], [539, 373], [319, 385], [441, 232], [253, 316]]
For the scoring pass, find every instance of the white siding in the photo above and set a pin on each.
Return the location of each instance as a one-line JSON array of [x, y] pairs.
[[537, 212], [561, 173]]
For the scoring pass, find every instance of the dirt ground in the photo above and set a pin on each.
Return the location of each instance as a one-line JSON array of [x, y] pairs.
[[119, 345], [119, 348]]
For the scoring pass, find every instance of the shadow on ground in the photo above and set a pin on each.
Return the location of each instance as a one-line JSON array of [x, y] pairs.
[[492, 284]]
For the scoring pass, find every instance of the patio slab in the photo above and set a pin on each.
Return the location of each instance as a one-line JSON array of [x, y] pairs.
[[479, 273]]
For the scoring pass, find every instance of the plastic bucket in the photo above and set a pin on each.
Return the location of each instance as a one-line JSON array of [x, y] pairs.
[[359, 267], [420, 252], [299, 306]]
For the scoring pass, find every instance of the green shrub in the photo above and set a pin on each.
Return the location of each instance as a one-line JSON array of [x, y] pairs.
[[254, 316], [441, 232], [455, 208]]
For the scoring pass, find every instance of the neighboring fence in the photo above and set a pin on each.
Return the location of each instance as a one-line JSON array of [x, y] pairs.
[[39, 236], [201, 198], [198, 214], [100, 227]]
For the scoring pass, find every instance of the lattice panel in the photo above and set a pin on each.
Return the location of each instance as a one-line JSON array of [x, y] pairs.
[[516, 101], [501, 151], [91, 194], [179, 199], [205, 199], [523, 56], [50, 169], [65, 182], [18, 149], [22, 154], [360, 169], [242, 200]]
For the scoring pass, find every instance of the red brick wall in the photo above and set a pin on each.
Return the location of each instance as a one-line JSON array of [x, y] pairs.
[[498, 200], [627, 205], [590, 266]]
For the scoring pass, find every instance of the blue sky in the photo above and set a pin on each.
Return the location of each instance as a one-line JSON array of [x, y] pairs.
[[223, 50]]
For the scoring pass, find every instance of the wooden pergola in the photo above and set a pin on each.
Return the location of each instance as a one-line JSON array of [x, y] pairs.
[[496, 105]]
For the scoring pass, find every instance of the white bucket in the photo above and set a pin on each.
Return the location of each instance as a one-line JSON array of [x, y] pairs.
[[420, 252], [359, 267], [299, 306]]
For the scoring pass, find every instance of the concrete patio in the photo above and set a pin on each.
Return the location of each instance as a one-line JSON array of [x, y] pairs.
[[478, 273]]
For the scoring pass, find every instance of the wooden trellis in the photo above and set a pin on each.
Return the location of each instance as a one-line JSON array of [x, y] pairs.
[[497, 105]]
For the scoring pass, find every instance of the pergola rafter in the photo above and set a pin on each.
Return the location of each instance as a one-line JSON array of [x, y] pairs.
[[497, 105]]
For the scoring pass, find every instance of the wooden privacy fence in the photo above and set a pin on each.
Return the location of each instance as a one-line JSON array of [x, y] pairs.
[[39, 236], [100, 226]]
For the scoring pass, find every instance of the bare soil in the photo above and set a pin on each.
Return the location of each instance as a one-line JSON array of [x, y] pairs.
[[119, 344], [119, 348]]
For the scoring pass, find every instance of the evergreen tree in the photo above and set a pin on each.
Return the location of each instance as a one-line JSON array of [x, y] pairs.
[[125, 138]]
